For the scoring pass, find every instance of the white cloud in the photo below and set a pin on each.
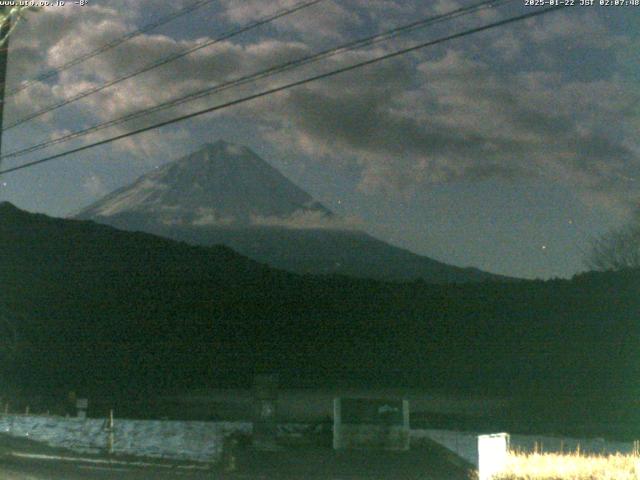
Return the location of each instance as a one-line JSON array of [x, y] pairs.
[[94, 185], [210, 217], [582, 28], [309, 219], [98, 25]]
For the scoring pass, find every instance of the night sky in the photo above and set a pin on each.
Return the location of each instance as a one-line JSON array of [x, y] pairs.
[[508, 150]]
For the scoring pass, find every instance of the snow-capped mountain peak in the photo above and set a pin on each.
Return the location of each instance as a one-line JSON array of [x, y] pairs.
[[220, 184]]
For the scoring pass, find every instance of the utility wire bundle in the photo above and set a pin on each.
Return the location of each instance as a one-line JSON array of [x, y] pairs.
[[265, 73]]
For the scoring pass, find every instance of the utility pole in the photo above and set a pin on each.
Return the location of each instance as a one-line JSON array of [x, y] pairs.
[[5, 28]]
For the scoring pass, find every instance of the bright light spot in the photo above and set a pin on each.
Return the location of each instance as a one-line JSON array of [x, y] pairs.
[[544, 247]]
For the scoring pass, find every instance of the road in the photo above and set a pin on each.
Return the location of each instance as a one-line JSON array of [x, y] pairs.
[[28, 468], [310, 463]]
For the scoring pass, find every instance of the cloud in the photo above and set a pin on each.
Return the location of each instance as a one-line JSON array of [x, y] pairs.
[[309, 219], [210, 217], [454, 118], [326, 20], [94, 185], [584, 29], [98, 25], [491, 107]]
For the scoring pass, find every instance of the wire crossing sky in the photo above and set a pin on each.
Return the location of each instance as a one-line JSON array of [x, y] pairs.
[[112, 44], [264, 73], [286, 87], [163, 61]]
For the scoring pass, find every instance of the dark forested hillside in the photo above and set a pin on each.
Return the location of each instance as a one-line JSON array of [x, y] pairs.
[[99, 309]]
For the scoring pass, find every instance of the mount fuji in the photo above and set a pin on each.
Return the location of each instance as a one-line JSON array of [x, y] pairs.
[[226, 194]]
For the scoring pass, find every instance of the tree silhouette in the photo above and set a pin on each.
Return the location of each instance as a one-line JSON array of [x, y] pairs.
[[618, 249]]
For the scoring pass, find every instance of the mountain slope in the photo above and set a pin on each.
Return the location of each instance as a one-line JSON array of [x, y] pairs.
[[320, 251], [225, 194]]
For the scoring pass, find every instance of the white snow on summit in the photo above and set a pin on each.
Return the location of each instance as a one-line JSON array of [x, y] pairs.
[[221, 184]]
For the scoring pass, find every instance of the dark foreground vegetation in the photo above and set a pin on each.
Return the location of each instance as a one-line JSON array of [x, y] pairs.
[[106, 312]]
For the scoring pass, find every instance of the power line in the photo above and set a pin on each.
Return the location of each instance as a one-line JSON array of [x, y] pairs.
[[367, 41], [287, 86], [108, 46], [165, 61]]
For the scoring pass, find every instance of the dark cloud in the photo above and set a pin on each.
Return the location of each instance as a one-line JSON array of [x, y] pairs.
[[456, 119]]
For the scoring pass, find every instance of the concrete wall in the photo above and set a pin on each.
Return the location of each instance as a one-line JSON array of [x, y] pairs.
[[197, 441], [463, 444], [361, 423]]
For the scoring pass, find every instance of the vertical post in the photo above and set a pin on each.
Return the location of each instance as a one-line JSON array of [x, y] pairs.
[[4, 61], [337, 424], [406, 426], [110, 439], [265, 415]]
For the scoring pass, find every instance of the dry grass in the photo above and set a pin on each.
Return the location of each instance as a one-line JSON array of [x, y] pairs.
[[7, 475], [570, 466]]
